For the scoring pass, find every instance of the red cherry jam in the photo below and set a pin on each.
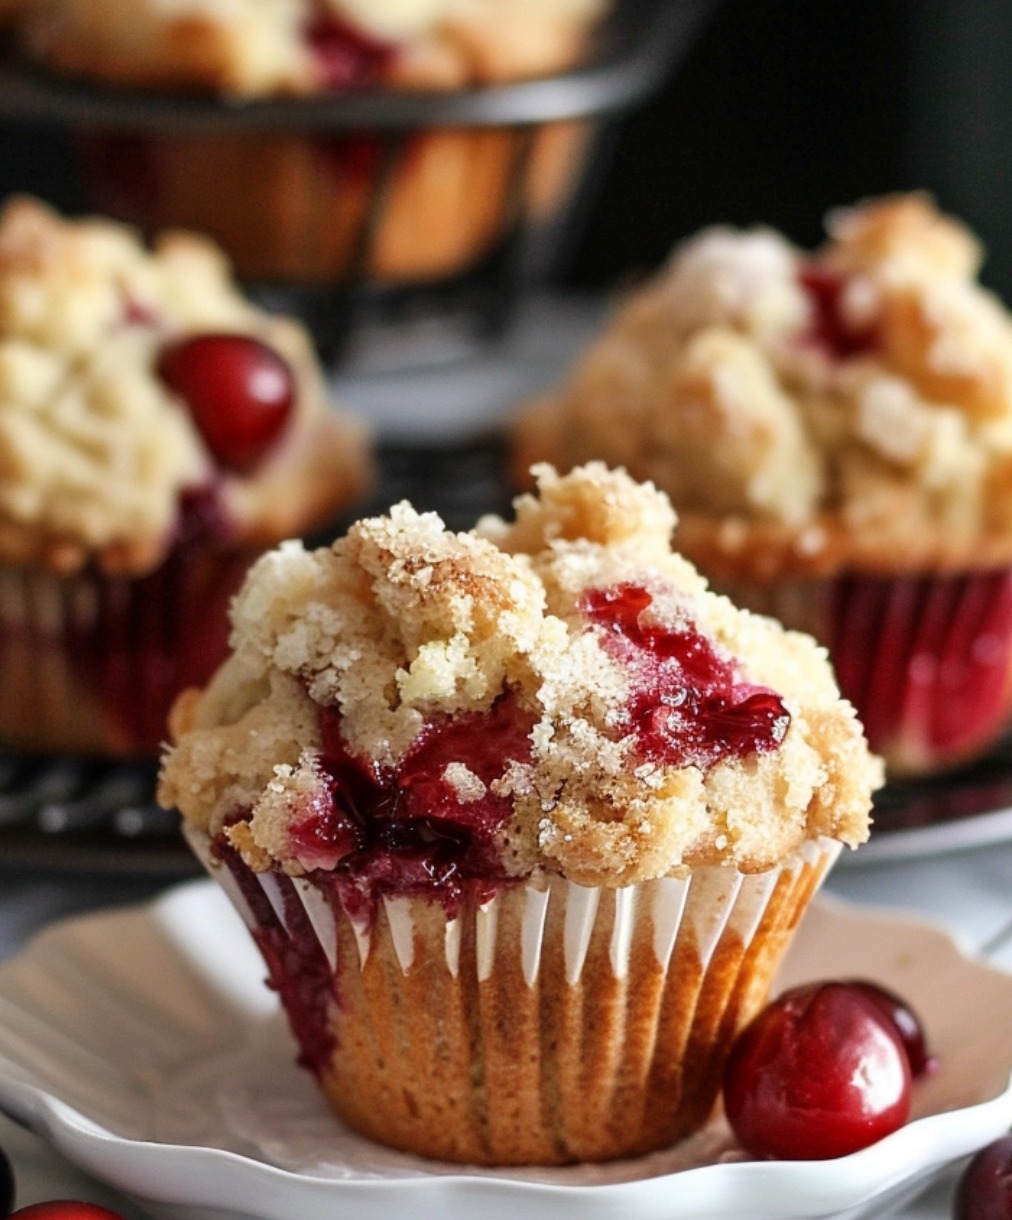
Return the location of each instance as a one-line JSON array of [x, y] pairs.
[[688, 706], [239, 392], [297, 967], [830, 328], [405, 830], [346, 58]]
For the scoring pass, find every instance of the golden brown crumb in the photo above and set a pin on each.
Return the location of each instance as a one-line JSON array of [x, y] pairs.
[[402, 621], [251, 48], [879, 437], [95, 451]]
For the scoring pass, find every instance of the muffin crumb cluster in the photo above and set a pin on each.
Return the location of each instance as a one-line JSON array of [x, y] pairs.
[[95, 449], [403, 625], [807, 411]]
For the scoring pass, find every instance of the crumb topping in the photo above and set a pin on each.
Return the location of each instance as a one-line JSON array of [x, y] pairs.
[[471, 669], [251, 48], [807, 412], [95, 450]]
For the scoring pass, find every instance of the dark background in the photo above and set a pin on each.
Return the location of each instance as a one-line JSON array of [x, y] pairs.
[[780, 110]]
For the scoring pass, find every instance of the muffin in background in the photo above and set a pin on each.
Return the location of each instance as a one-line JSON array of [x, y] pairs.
[[397, 207], [835, 431], [157, 432], [522, 819]]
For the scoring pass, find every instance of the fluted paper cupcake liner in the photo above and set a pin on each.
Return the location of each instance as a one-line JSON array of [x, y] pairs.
[[926, 660], [551, 1024], [326, 207]]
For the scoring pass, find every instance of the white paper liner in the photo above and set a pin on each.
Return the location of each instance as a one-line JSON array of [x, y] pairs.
[[722, 900]]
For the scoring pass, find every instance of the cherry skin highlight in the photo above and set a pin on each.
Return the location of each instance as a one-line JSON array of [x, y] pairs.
[[819, 1073], [984, 1190], [908, 1024], [239, 392], [64, 1209]]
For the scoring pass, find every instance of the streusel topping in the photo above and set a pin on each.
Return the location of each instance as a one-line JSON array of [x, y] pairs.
[[96, 450], [265, 47], [563, 688], [807, 411]]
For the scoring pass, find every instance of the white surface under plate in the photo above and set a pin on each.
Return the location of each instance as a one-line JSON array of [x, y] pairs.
[[144, 1046]]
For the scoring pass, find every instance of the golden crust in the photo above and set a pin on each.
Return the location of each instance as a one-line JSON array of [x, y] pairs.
[[95, 451], [401, 620], [784, 454], [248, 49]]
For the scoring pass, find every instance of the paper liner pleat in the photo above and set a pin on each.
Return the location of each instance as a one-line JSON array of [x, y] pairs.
[[555, 1022], [926, 660]]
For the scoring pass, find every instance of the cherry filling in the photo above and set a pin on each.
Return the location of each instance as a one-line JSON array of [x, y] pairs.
[[132, 651], [346, 57], [830, 328], [687, 705], [407, 830], [297, 968]]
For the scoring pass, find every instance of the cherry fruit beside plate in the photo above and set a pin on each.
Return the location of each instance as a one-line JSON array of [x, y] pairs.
[[819, 1073], [984, 1191], [908, 1024]]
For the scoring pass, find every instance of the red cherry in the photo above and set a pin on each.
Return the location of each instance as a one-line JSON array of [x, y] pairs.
[[239, 392], [64, 1209], [819, 1073], [908, 1024], [984, 1190]]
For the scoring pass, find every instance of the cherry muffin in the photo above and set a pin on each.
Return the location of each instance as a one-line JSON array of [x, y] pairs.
[[421, 206], [522, 819], [835, 430], [157, 433]]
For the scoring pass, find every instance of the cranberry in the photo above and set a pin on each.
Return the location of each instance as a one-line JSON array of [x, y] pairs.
[[64, 1209], [819, 1073], [908, 1024], [984, 1190], [239, 392], [687, 704]]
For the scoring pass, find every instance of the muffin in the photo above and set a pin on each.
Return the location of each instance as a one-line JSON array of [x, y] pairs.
[[835, 430], [157, 433], [394, 206], [522, 819]]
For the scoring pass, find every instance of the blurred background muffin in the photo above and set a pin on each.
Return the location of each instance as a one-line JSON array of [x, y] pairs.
[[307, 198], [156, 432], [835, 431]]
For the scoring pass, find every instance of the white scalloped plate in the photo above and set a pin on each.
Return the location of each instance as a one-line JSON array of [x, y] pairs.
[[143, 1045]]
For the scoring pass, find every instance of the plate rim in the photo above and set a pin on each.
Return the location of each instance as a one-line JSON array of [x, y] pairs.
[[152, 1171]]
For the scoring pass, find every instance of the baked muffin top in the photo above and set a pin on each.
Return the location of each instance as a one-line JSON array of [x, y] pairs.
[[557, 694], [266, 47], [807, 412], [101, 442]]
